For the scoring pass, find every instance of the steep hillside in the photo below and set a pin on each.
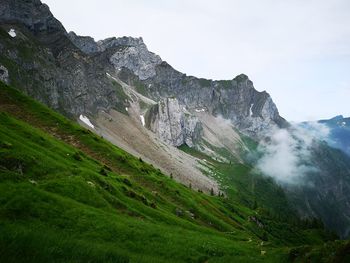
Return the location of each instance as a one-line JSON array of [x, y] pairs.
[[62, 185]]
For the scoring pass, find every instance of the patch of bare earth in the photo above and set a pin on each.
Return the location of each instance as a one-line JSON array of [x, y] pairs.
[[128, 133]]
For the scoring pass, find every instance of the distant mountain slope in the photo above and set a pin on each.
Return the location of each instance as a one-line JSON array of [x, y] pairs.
[[339, 136]]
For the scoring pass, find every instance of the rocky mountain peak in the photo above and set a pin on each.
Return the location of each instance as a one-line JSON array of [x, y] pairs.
[[135, 56], [35, 15], [84, 43], [121, 41], [241, 77], [88, 45]]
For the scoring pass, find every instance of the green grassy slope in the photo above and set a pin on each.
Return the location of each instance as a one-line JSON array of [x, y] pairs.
[[243, 186], [67, 195]]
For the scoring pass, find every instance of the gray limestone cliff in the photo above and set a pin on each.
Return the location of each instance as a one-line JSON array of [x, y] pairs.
[[173, 124], [84, 43], [134, 56], [251, 111], [35, 15], [73, 77], [43, 62], [138, 59]]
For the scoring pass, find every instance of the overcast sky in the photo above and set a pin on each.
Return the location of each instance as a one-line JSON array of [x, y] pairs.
[[297, 50]]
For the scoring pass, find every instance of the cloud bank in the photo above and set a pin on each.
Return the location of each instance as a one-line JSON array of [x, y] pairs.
[[286, 153]]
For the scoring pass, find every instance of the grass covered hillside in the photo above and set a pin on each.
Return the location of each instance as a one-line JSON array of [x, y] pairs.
[[67, 195]]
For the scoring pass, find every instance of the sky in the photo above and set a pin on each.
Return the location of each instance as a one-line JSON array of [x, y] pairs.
[[296, 50]]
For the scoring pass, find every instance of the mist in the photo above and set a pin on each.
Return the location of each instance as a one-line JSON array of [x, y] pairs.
[[285, 153]]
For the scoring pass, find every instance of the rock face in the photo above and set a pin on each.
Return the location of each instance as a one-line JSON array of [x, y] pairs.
[[138, 59], [86, 44], [339, 136], [121, 41], [37, 18], [52, 69], [33, 14], [4, 75], [252, 112], [173, 124]]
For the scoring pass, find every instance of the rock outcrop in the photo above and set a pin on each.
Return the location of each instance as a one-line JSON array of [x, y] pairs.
[[4, 74], [52, 69], [84, 43], [173, 124], [35, 15], [136, 58]]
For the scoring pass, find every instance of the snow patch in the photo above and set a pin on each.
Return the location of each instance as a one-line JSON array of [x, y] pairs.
[[86, 121], [12, 33], [343, 123], [250, 109], [126, 108], [200, 110], [142, 120], [109, 75]]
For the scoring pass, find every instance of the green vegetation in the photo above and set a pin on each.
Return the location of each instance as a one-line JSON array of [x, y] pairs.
[[244, 186], [140, 87], [338, 251], [241, 78], [121, 96], [143, 105], [227, 84], [205, 82], [67, 195]]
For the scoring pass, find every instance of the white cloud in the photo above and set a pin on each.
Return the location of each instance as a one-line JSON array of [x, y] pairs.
[[286, 155]]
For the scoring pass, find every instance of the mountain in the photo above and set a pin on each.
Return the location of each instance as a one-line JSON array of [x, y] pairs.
[[339, 136], [118, 78], [163, 166], [126, 58]]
